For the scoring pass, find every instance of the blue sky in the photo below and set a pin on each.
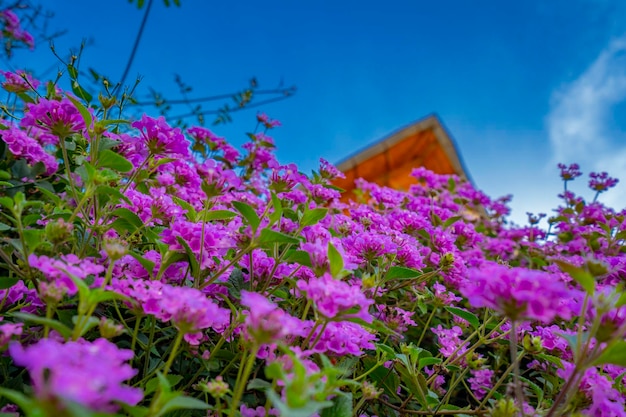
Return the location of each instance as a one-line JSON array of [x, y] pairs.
[[520, 86]]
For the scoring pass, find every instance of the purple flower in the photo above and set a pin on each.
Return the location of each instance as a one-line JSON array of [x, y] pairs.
[[23, 146], [59, 270], [480, 382], [266, 322], [336, 299], [518, 293], [161, 139], [89, 373], [341, 338], [600, 181], [568, 173], [191, 311], [450, 341], [18, 81], [53, 119]]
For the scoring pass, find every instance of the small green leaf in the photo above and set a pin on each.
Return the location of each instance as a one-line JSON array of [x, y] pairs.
[[147, 264], [129, 216], [300, 257], [278, 210], [182, 402], [465, 315], [311, 217], [193, 261], [259, 384], [451, 221], [335, 260], [192, 214], [84, 112], [400, 272], [59, 327], [271, 236], [584, 278], [219, 215], [109, 159], [248, 213], [428, 361]]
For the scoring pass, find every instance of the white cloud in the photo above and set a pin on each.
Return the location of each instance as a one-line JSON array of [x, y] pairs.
[[579, 123]]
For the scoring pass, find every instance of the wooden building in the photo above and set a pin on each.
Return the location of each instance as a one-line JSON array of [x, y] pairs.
[[389, 162]]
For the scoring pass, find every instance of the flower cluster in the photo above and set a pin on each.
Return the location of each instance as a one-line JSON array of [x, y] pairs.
[[89, 373]]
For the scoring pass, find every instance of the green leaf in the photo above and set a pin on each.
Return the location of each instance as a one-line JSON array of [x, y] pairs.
[[34, 238], [126, 221], [193, 261], [550, 358], [26, 404], [84, 112], [182, 402], [7, 282], [91, 323], [466, 315], [400, 272], [259, 384], [428, 361], [278, 210], [153, 384], [388, 351], [451, 221], [584, 278], [147, 264], [109, 159], [271, 236], [105, 190], [59, 327], [219, 215], [300, 257], [311, 217], [342, 406], [614, 354], [248, 213], [192, 214], [335, 260]]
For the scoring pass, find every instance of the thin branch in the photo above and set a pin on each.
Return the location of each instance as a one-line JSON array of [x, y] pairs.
[[236, 109], [285, 91], [135, 47]]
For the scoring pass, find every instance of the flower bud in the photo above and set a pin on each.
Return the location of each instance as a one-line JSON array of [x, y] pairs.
[[108, 328], [532, 344]]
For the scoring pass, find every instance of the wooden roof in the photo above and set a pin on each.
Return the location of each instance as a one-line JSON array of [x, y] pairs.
[[389, 162]]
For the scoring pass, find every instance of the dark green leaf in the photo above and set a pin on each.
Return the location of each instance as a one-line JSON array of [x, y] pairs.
[[342, 406], [6, 282], [248, 213], [466, 315], [59, 327], [193, 261], [300, 257]]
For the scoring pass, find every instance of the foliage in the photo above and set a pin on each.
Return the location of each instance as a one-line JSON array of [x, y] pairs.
[[150, 271]]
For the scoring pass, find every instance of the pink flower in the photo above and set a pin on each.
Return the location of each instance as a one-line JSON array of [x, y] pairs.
[[518, 293], [89, 373], [161, 139], [336, 299], [266, 322]]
